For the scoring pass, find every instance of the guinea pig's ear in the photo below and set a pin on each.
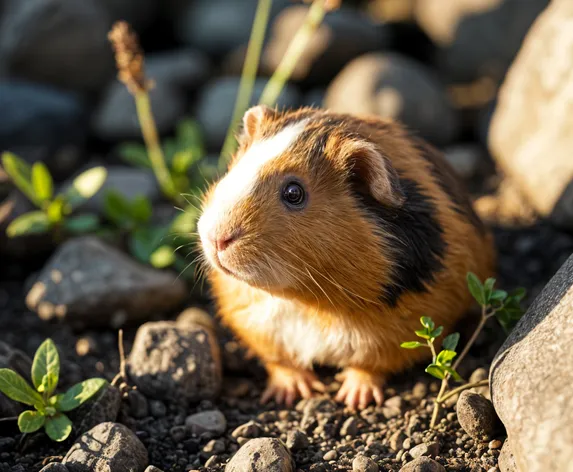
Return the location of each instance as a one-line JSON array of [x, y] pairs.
[[253, 118], [369, 167]]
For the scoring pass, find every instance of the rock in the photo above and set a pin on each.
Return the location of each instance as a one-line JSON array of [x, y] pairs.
[[477, 376], [102, 408], [506, 459], [173, 73], [397, 440], [495, 444], [364, 464], [174, 363], [213, 422], [395, 87], [465, 159], [18, 361], [261, 455], [218, 26], [530, 379], [38, 120], [349, 427], [530, 134], [330, 456], [86, 345], [343, 35], [108, 446], [247, 430], [423, 464], [297, 440], [6, 444], [478, 37], [138, 406], [152, 468], [129, 182], [55, 467], [215, 106], [476, 416], [178, 433], [215, 446], [431, 449], [157, 408], [58, 42], [88, 283]]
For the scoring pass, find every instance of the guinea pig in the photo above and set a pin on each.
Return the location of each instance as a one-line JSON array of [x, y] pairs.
[[328, 238]]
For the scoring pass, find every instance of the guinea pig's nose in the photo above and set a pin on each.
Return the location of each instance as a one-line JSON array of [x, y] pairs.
[[222, 241]]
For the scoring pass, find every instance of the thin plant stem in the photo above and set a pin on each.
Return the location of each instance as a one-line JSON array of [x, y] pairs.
[[436, 411], [297, 46], [455, 391], [151, 138], [248, 77], [484, 317]]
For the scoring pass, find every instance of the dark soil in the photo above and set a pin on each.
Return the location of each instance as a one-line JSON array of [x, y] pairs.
[[527, 257]]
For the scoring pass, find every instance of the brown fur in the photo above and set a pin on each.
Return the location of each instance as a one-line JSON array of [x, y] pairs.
[[335, 258]]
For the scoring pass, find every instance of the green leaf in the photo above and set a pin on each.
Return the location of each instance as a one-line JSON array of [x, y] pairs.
[[55, 210], [427, 322], [134, 154], [86, 185], [436, 370], [144, 241], [476, 288], [163, 256], [185, 222], [451, 342], [488, 288], [422, 333], [411, 345], [189, 135], [437, 332], [518, 294], [453, 373], [15, 387], [21, 174], [80, 393], [141, 209], [80, 224], [46, 367], [498, 295], [182, 161], [42, 182], [58, 427], [445, 357], [34, 222], [30, 421], [117, 208]]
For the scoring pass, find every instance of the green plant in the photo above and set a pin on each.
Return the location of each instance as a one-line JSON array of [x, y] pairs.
[[49, 408], [54, 213], [504, 306]]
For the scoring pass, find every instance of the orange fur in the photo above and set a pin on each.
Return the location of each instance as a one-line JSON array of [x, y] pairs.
[[321, 269]]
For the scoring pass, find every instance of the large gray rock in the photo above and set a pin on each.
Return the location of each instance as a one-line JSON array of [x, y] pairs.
[[261, 455], [89, 283], [396, 87], [59, 42], [530, 133], [342, 36], [109, 447], [217, 26], [37, 120], [478, 37], [175, 363], [217, 100], [173, 73], [531, 379]]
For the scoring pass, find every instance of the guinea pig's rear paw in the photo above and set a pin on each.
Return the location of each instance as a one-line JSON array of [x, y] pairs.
[[286, 384], [359, 388]]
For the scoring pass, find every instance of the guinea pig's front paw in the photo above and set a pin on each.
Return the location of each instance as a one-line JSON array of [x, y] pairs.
[[286, 384], [359, 388]]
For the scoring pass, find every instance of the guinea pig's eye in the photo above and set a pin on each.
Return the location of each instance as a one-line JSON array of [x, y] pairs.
[[294, 195]]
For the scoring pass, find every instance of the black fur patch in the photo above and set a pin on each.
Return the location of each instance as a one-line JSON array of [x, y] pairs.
[[451, 186], [418, 246]]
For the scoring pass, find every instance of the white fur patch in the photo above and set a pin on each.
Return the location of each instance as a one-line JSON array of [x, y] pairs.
[[240, 180]]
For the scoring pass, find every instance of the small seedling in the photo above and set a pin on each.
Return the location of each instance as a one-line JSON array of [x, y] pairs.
[[36, 183], [49, 408], [504, 306]]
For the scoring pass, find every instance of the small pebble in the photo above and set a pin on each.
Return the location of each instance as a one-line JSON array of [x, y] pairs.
[[212, 421], [247, 430], [157, 409], [138, 406], [215, 446], [495, 444], [86, 345], [178, 433], [425, 449], [330, 456], [364, 464], [297, 440], [349, 427]]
